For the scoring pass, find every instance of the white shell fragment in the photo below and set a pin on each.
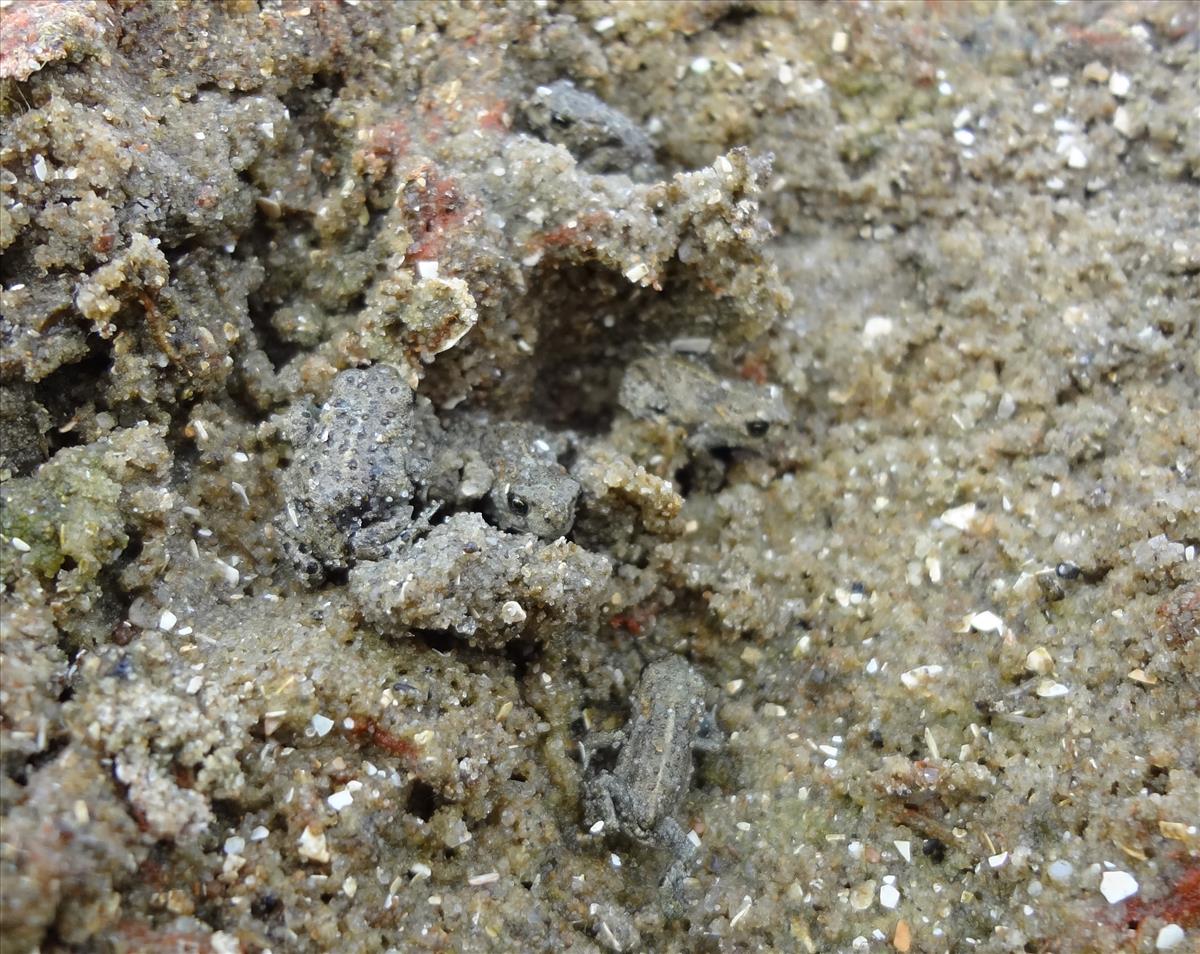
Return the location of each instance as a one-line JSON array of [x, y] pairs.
[[229, 572], [920, 676], [1117, 886], [877, 326], [321, 724], [1049, 689], [986, 622], [635, 273], [960, 518], [1169, 936], [512, 612]]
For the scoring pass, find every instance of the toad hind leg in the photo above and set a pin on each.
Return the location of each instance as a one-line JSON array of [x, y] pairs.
[[672, 837]]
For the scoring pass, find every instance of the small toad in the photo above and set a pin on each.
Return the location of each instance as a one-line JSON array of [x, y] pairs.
[[653, 771], [714, 411], [602, 139], [374, 463], [509, 471], [348, 493]]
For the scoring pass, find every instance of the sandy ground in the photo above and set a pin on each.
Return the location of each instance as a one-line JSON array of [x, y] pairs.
[[947, 611]]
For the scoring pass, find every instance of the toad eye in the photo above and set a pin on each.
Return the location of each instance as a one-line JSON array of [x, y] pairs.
[[758, 428], [517, 504]]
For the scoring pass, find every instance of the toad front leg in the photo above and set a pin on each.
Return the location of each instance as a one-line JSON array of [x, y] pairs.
[[384, 538], [610, 799], [709, 738]]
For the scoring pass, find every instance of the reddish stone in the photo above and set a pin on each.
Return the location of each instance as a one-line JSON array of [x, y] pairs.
[[36, 32]]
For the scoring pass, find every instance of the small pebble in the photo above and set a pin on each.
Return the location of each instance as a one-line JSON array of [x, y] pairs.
[[312, 846], [1040, 661], [1169, 936], [889, 896], [862, 895], [1122, 121]]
